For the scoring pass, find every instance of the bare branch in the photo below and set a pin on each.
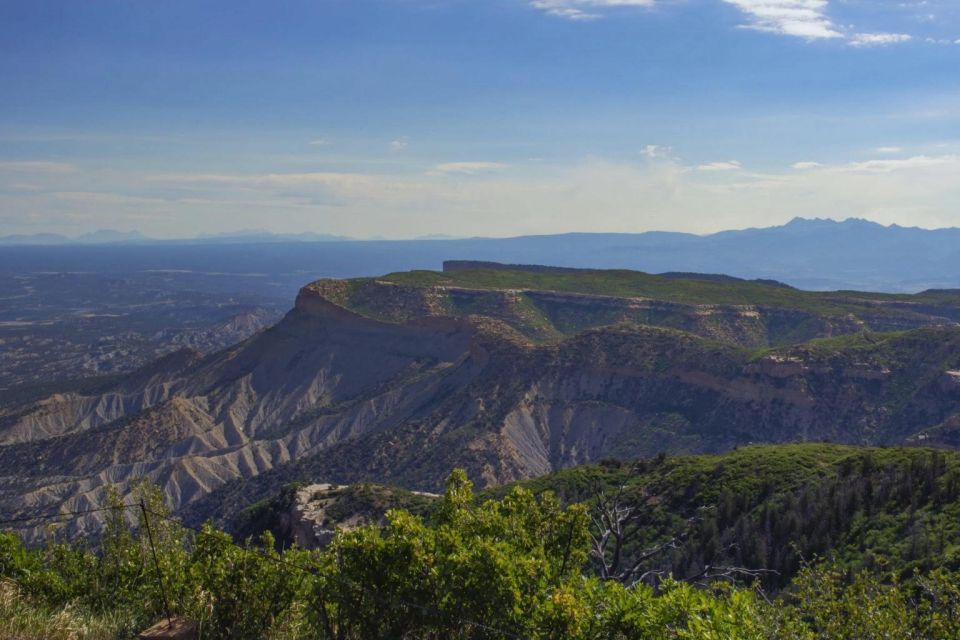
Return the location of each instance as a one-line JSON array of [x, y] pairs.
[[616, 519]]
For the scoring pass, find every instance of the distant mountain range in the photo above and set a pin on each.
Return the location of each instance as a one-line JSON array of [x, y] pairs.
[[102, 236], [808, 254], [111, 236], [260, 235]]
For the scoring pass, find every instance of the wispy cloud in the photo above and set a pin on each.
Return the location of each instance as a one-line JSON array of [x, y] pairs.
[[33, 166], [891, 165], [400, 144], [649, 193], [585, 9], [104, 198], [806, 19], [655, 151], [884, 165], [726, 165], [799, 18], [278, 181], [878, 39], [465, 168]]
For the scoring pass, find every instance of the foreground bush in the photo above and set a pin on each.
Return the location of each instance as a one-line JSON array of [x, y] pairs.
[[508, 568]]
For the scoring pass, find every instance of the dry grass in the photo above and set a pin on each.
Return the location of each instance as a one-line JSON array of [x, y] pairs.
[[21, 620]]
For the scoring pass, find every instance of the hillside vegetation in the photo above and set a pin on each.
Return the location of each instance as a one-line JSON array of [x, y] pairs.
[[683, 288], [769, 508], [773, 507], [546, 304], [516, 566]]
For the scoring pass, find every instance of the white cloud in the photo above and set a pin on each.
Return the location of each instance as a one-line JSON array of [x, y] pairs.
[[584, 9], [101, 198], [568, 12], [277, 181], [889, 166], [889, 149], [800, 18], [651, 193], [465, 168], [727, 165], [655, 151], [886, 165], [32, 166], [878, 39], [319, 142], [806, 19], [400, 144]]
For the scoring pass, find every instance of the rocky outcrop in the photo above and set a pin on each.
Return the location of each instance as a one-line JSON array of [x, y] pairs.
[[309, 515]]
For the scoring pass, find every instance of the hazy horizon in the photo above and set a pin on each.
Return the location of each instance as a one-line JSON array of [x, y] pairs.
[[135, 235], [379, 118]]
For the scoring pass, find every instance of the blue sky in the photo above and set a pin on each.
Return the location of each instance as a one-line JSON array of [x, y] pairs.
[[399, 118]]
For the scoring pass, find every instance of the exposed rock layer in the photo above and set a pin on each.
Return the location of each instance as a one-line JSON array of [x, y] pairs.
[[392, 383]]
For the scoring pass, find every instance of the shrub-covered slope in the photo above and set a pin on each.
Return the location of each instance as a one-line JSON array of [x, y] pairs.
[[512, 566], [547, 304], [771, 507], [766, 508]]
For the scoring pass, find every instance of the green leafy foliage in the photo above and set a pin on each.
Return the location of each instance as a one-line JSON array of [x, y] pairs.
[[246, 591], [770, 507], [857, 606], [472, 569], [475, 567]]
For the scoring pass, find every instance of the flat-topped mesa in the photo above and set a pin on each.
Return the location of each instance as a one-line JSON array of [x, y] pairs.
[[374, 299], [460, 266], [455, 266], [536, 315], [443, 310], [549, 304], [543, 315]]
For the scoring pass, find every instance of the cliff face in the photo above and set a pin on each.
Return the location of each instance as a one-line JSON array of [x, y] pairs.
[[552, 315], [626, 393], [381, 381]]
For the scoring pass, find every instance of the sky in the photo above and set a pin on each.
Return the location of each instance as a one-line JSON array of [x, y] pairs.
[[404, 118]]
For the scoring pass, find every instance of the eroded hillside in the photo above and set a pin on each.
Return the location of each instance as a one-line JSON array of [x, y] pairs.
[[507, 373]]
